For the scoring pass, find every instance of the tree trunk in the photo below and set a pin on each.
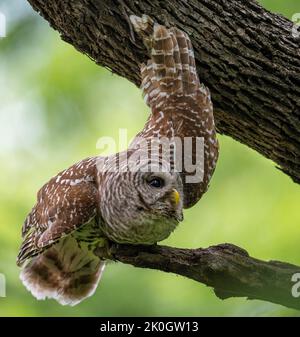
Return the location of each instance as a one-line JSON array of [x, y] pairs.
[[246, 55]]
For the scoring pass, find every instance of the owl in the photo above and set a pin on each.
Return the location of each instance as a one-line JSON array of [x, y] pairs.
[[134, 197]]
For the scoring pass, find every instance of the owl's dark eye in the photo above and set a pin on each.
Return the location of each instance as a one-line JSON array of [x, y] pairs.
[[156, 182]]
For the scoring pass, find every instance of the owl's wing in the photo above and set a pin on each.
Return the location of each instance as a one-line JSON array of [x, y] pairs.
[[181, 106], [65, 203], [171, 70], [60, 235]]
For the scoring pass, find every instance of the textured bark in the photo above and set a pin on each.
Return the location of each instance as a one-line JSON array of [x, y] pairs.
[[246, 55], [225, 267]]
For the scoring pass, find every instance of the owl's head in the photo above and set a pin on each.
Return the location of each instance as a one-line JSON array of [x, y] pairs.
[[141, 207]]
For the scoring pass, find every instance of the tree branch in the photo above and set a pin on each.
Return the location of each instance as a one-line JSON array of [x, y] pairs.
[[225, 267], [246, 55]]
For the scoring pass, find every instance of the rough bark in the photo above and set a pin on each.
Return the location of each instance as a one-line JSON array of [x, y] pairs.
[[246, 55], [225, 267]]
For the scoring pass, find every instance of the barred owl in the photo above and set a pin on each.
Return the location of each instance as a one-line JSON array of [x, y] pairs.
[[101, 199]]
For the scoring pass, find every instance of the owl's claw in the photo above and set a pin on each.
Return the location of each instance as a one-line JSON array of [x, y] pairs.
[[105, 249]]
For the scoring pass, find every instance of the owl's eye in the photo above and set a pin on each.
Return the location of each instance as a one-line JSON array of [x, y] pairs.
[[156, 182]]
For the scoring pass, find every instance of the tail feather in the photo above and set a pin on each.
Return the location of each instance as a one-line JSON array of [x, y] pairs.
[[67, 272]]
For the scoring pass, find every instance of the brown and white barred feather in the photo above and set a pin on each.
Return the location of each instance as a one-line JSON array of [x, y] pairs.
[[68, 272], [59, 236], [180, 105]]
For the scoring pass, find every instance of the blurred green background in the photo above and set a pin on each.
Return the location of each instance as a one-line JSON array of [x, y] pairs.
[[54, 105]]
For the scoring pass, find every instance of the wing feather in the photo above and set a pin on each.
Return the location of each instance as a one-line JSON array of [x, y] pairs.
[[65, 203]]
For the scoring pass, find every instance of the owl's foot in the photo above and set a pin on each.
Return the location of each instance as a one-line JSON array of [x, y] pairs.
[[104, 250]]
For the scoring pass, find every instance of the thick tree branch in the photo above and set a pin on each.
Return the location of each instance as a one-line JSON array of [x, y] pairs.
[[225, 267], [247, 56]]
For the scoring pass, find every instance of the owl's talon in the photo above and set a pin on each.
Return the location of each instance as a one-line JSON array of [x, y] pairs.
[[105, 250]]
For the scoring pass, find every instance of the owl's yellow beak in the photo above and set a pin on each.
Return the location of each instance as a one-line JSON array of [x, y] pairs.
[[175, 196]]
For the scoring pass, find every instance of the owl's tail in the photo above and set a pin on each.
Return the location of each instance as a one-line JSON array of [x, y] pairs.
[[66, 272], [171, 68]]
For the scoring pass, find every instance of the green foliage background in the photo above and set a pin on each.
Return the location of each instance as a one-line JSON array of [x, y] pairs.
[[54, 105]]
